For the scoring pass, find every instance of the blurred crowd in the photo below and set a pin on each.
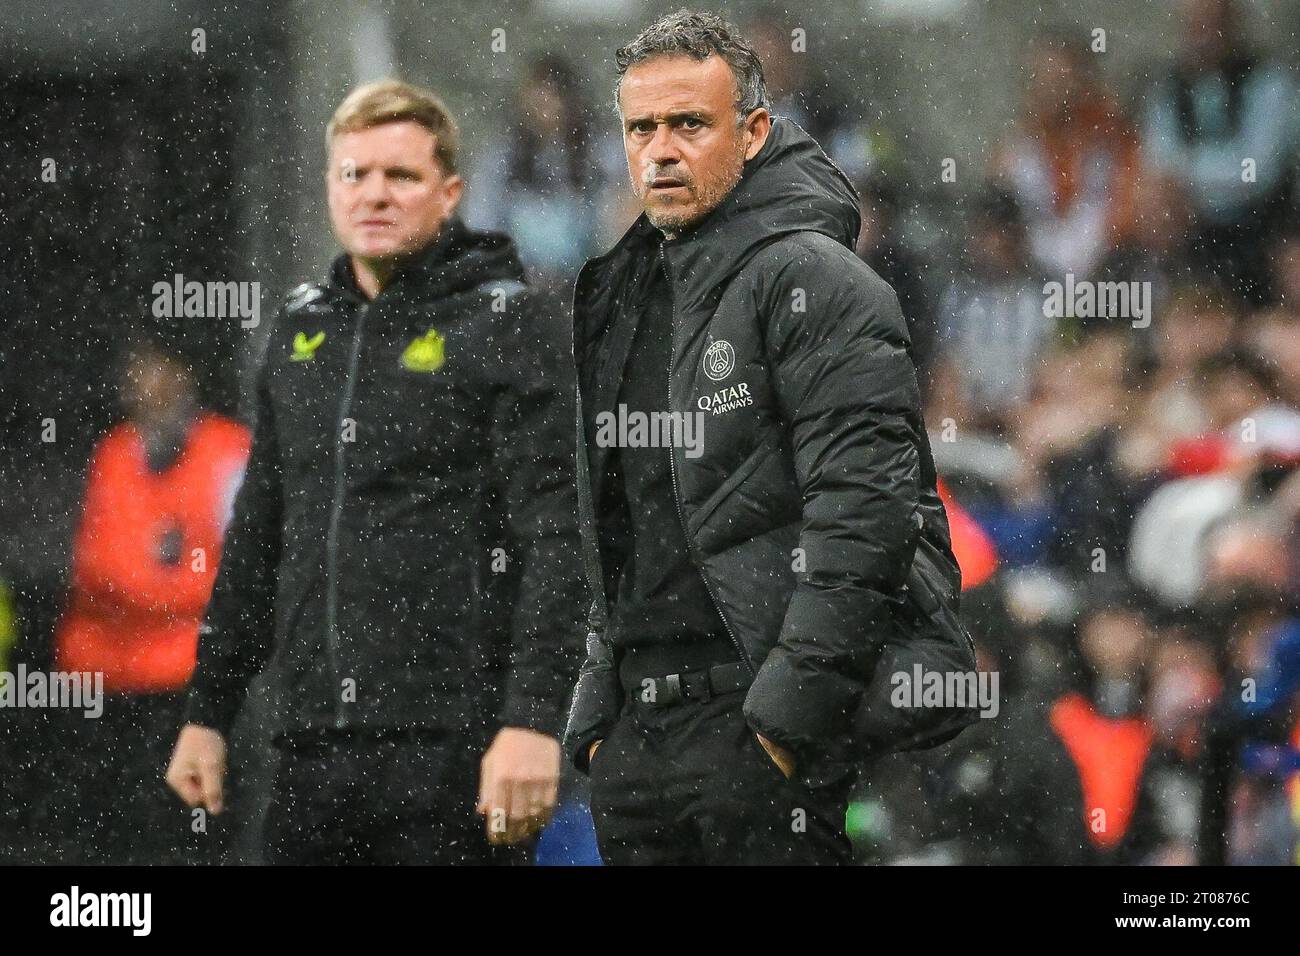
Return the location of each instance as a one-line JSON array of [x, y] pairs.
[[1126, 474], [1122, 477]]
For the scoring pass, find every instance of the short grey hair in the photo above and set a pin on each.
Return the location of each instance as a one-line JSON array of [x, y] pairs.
[[699, 36]]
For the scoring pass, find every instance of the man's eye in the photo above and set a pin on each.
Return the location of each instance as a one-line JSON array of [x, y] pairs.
[[691, 123]]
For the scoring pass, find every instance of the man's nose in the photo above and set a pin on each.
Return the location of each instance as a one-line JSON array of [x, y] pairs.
[[662, 149], [374, 189]]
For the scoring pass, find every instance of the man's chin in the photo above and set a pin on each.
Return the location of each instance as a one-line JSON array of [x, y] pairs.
[[672, 220], [384, 252]]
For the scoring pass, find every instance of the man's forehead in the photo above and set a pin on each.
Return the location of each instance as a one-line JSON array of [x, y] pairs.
[[403, 142], [676, 83]]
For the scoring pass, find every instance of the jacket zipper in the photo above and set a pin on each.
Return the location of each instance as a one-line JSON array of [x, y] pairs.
[[590, 552], [336, 515], [672, 472], [479, 635]]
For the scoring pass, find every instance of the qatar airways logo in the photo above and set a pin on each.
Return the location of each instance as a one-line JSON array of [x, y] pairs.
[[726, 399]]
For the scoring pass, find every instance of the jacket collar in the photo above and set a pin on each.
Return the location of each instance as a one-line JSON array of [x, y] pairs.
[[458, 260], [790, 186]]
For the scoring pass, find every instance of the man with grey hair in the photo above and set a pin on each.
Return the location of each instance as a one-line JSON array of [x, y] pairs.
[[752, 600]]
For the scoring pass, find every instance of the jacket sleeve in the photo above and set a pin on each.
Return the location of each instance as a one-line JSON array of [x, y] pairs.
[[236, 635], [838, 349], [533, 465], [598, 698]]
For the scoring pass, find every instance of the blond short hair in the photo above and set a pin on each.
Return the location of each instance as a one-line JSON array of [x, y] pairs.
[[393, 101]]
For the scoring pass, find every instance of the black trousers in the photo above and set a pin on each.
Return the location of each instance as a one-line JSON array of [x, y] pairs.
[[342, 798], [104, 799], [690, 784]]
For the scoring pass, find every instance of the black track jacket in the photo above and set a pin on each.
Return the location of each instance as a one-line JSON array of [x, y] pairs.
[[404, 548], [812, 512]]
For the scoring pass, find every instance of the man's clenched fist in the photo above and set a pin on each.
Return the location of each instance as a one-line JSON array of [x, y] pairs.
[[198, 769], [519, 780]]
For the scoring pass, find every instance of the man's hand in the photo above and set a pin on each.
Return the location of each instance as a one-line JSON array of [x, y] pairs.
[[783, 759], [198, 769], [519, 780]]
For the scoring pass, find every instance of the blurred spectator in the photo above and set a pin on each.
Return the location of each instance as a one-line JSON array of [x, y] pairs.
[[1166, 548], [1245, 416], [1199, 322], [1071, 161], [1003, 793], [540, 183], [803, 92], [1073, 451], [1249, 444], [1250, 761], [1157, 247], [991, 321], [1223, 120], [976, 555], [1284, 263], [1274, 335], [1104, 727], [881, 247], [146, 552]]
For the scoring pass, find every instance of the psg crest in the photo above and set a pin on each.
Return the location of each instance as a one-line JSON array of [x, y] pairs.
[[719, 360]]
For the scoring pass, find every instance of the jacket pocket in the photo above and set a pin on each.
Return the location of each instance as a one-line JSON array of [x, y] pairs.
[[734, 481], [760, 495]]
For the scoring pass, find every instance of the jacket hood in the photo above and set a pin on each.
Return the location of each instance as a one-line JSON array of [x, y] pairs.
[[460, 259], [790, 186]]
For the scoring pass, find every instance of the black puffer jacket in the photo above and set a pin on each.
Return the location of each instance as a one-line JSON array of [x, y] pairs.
[[406, 535], [812, 512]]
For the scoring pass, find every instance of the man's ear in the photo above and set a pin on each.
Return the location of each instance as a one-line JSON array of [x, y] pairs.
[[453, 189], [757, 124]]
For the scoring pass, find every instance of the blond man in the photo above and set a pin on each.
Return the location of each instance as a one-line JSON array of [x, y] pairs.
[[402, 556]]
